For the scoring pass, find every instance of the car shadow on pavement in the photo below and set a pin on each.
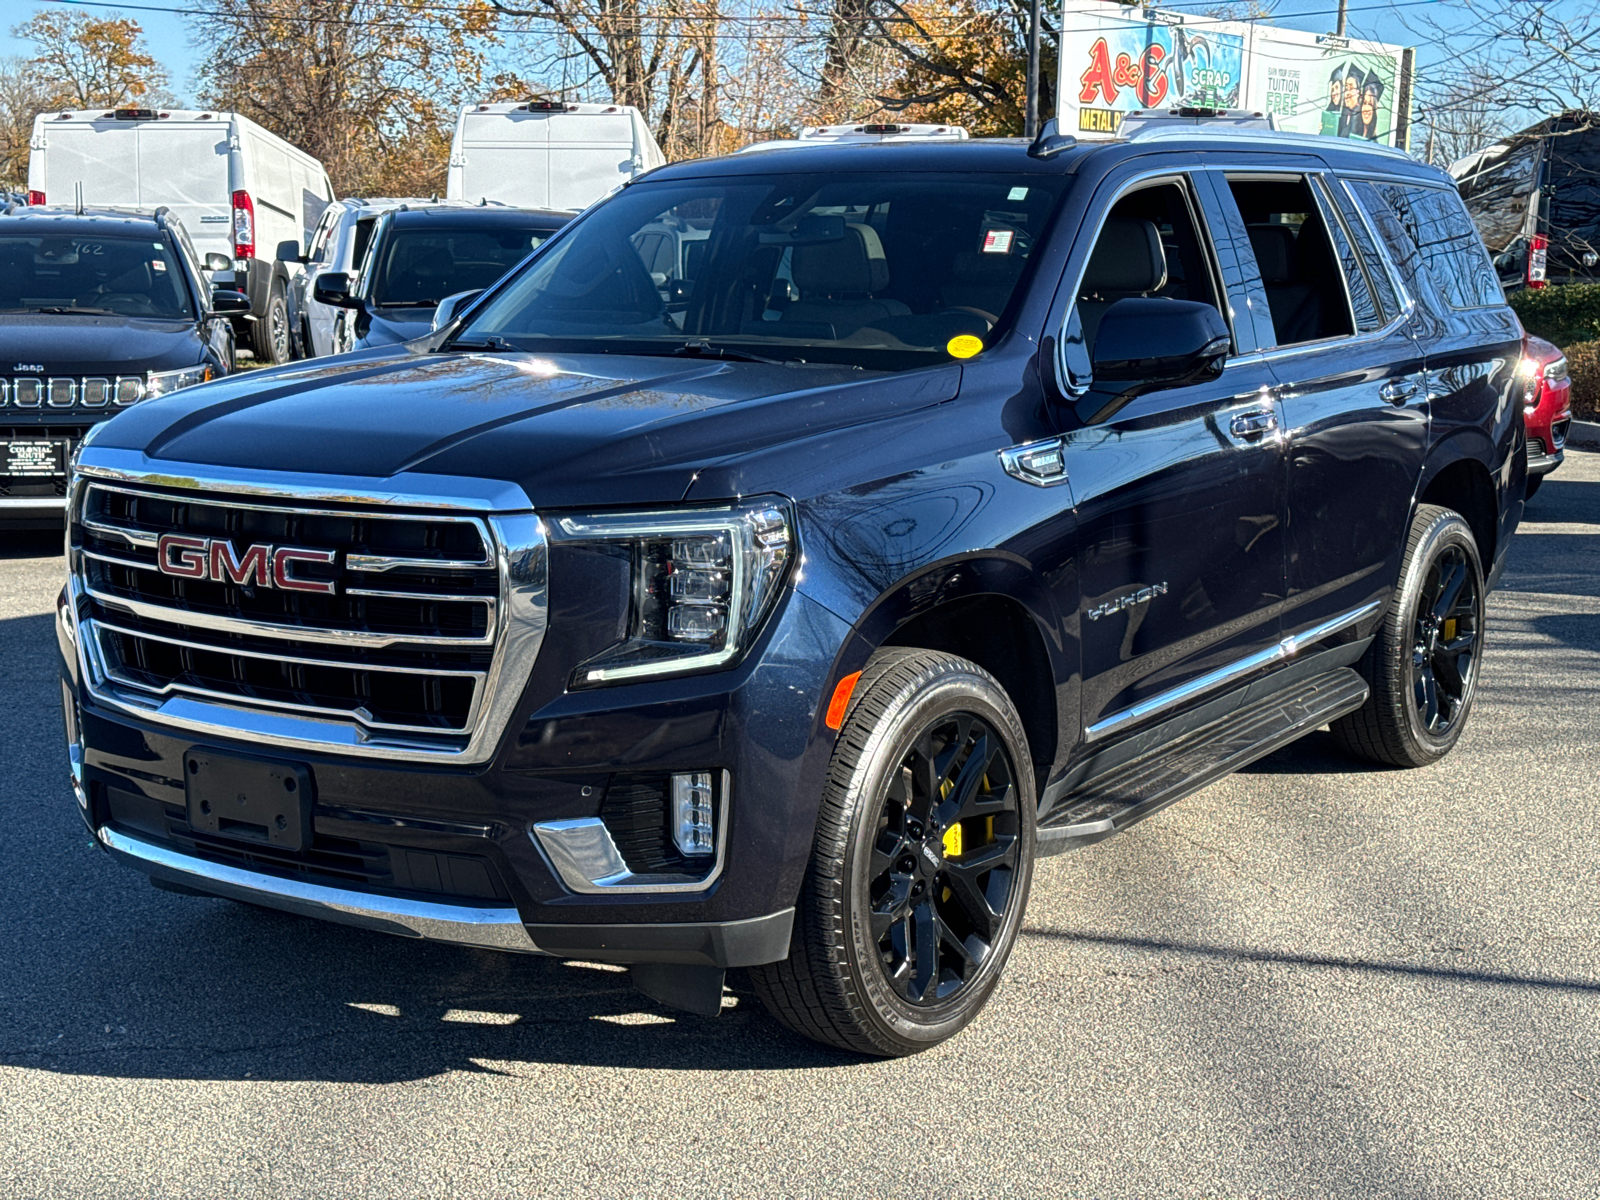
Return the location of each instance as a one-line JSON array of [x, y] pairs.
[[1315, 754], [1564, 501]]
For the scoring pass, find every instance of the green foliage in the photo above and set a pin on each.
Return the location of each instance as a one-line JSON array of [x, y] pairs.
[[1583, 365], [1565, 315]]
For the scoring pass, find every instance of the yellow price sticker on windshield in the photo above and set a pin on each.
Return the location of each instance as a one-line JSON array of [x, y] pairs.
[[964, 346]]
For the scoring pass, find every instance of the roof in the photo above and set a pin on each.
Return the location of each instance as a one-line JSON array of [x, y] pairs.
[[494, 216], [60, 216]]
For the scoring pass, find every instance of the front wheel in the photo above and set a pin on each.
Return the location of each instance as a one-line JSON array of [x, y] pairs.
[[1423, 664], [920, 869]]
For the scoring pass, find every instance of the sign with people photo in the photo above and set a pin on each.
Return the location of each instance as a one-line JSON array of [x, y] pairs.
[[1112, 65]]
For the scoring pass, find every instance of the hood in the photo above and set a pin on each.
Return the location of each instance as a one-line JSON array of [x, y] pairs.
[[66, 345], [571, 430]]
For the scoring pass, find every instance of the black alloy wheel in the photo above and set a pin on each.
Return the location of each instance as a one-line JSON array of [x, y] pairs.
[[1445, 641], [921, 862], [944, 862], [1424, 659]]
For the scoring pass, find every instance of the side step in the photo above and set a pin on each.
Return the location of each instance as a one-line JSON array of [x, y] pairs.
[[1129, 794]]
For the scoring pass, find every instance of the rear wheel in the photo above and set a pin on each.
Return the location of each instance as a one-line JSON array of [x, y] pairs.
[[269, 336], [921, 865], [1423, 664]]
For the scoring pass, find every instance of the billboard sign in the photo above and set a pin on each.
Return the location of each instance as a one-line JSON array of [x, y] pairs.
[[1112, 65]]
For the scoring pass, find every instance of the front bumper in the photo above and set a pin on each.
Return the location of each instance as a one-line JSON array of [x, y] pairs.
[[32, 508], [724, 944]]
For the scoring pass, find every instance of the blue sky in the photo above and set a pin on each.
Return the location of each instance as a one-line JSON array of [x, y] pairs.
[[167, 34]]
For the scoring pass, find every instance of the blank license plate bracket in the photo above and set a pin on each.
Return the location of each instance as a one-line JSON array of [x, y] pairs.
[[249, 799]]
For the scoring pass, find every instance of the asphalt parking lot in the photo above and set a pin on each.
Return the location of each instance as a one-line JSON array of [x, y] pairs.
[[1312, 979]]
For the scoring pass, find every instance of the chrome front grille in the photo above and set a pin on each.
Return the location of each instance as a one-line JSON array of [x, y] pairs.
[[394, 644], [71, 391]]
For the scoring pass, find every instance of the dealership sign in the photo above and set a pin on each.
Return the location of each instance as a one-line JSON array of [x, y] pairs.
[[1112, 65]]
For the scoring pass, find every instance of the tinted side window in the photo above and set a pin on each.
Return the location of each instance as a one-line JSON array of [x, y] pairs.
[[1296, 259], [1377, 265], [1451, 250]]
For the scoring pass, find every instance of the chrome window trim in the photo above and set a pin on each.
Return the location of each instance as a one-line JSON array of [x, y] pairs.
[[1172, 698], [516, 538], [586, 859]]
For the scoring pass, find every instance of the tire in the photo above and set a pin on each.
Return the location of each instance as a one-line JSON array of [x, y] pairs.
[[872, 985], [270, 337], [1533, 485], [1423, 664]]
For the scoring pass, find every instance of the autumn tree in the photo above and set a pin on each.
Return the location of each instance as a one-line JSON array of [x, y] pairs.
[[90, 62], [367, 86], [22, 95]]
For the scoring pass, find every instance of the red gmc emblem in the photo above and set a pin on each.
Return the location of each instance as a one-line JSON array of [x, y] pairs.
[[261, 566]]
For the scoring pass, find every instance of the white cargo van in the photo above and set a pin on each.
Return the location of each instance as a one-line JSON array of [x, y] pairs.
[[238, 190], [547, 153], [834, 135]]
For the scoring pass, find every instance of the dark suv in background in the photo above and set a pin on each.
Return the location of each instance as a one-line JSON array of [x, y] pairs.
[[420, 255], [968, 503], [99, 309]]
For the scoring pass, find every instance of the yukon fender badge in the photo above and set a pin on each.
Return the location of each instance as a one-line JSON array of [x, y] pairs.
[[1043, 464], [1142, 596]]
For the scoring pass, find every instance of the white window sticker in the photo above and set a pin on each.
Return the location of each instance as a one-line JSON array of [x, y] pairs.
[[157, 264], [1017, 193], [997, 241]]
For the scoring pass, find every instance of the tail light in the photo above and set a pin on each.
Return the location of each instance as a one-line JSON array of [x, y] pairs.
[[36, 198], [244, 226], [1538, 254]]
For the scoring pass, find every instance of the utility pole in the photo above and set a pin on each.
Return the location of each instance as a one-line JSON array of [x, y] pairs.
[[1030, 120], [1339, 29]]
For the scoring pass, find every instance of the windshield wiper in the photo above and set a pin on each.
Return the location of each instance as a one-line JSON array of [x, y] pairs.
[[408, 304], [67, 309], [488, 343], [704, 349]]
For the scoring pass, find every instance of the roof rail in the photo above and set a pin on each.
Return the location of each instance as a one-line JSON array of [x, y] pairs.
[[1275, 137], [1051, 141]]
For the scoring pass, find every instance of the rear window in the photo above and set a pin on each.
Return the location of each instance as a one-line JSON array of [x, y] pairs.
[[1451, 250], [420, 267], [89, 275]]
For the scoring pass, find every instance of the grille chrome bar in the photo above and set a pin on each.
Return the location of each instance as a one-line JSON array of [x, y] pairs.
[[360, 714], [361, 519]]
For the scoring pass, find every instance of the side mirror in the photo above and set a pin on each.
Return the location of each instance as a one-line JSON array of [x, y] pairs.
[[334, 289], [451, 305], [1146, 344], [288, 252], [225, 302], [217, 262]]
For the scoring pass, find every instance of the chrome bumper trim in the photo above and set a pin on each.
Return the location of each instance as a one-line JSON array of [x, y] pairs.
[[496, 927], [44, 504]]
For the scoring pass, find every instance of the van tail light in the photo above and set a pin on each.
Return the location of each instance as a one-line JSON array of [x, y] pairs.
[[1538, 255], [244, 226], [36, 198]]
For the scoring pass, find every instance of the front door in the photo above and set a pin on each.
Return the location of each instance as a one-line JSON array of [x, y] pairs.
[[1179, 494]]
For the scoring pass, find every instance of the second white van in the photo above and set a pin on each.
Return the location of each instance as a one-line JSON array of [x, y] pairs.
[[547, 153]]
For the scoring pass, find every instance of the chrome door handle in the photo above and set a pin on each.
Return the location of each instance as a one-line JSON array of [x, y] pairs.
[[1398, 391], [1254, 424]]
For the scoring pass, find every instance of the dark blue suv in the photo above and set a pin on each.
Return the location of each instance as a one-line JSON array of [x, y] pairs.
[[796, 547]]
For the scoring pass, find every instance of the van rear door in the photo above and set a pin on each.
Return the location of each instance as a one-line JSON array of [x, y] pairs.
[[589, 155], [184, 165], [506, 157]]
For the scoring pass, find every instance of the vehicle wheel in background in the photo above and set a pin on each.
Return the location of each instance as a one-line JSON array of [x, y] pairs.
[[920, 868], [1423, 664], [269, 336]]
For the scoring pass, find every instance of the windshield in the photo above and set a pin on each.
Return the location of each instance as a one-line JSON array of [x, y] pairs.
[[116, 276], [420, 267], [874, 270]]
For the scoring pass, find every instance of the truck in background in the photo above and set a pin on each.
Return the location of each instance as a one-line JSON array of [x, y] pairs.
[[547, 153], [1535, 198], [238, 190]]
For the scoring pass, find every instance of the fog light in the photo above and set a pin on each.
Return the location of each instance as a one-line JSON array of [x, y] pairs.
[[692, 828]]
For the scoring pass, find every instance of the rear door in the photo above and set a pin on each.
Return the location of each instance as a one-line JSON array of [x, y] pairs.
[[506, 157], [185, 167], [590, 153], [1349, 376], [1180, 494]]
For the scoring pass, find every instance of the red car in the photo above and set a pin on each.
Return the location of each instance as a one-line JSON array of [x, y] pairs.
[[1547, 409]]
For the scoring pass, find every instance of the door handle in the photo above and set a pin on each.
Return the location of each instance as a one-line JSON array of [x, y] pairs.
[[1398, 391], [1254, 424]]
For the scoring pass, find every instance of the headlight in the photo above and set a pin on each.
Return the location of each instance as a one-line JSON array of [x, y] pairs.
[[703, 580], [1557, 371], [162, 383]]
